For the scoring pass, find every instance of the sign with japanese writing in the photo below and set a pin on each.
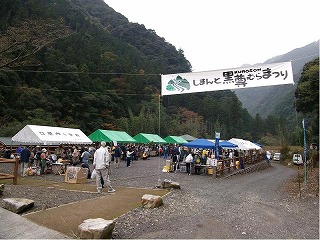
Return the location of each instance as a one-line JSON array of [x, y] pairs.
[[234, 78], [214, 162], [48, 135]]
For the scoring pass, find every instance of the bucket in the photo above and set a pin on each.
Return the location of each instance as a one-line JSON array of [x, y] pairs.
[[210, 171], [237, 164]]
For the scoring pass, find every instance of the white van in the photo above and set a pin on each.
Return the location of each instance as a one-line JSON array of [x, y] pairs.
[[276, 156], [297, 159]]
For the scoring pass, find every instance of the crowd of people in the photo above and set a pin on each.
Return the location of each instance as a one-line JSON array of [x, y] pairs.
[[198, 157], [39, 159]]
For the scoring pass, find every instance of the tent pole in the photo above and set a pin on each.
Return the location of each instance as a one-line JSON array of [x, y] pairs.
[[159, 129], [159, 114]]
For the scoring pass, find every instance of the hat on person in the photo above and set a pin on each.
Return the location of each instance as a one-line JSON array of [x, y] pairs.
[[103, 144], [44, 150]]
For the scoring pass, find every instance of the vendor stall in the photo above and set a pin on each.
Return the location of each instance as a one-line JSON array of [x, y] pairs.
[[200, 143], [244, 144], [111, 136], [225, 144], [175, 139], [149, 138], [46, 135]]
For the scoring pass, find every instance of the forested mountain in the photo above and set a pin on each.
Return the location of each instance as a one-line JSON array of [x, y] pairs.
[[81, 64], [61, 66], [279, 100]]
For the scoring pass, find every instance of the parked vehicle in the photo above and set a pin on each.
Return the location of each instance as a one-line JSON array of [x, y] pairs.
[[276, 156], [297, 159]]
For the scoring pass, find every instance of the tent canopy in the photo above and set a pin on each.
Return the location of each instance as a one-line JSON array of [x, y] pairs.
[[244, 144], [7, 141], [224, 144], [200, 143], [148, 138], [188, 137], [46, 135], [111, 136], [175, 139]]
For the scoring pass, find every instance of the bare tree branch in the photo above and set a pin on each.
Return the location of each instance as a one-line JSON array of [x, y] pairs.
[[20, 44]]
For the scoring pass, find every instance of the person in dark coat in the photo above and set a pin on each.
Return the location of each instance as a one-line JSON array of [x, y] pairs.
[[24, 160], [117, 156]]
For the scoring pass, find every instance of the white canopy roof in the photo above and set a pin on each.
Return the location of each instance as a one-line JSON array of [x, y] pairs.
[[244, 144], [45, 135]]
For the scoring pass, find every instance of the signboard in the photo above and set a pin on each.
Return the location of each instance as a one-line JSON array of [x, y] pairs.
[[214, 162], [234, 78]]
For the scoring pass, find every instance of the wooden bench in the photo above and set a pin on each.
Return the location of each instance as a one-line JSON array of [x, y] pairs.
[[13, 176]]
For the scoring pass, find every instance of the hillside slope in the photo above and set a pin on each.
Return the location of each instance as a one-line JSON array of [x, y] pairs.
[[279, 100], [77, 63], [81, 64]]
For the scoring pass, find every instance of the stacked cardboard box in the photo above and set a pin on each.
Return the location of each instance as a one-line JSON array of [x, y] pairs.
[[76, 175]]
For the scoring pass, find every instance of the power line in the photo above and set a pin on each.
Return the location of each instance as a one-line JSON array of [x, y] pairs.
[[88, 73], [106, 73], [106, 92]]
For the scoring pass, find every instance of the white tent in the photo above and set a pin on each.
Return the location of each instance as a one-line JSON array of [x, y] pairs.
[[45, 135], [244, 144]]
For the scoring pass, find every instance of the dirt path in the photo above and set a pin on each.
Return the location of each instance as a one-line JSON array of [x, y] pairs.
[[254, 205]]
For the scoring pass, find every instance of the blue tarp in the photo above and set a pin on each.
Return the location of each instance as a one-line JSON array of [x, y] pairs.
[[200, 143], [225, 144]]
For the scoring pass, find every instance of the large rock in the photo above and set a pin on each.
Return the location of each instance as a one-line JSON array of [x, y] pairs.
[[18, 205], [169, 184], [151, 201], [96, 228]]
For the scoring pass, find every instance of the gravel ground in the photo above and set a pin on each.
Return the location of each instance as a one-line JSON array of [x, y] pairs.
[[255, 205]]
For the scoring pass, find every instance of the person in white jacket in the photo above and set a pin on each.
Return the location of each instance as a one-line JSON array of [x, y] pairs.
[[101, 163], [189, 160]]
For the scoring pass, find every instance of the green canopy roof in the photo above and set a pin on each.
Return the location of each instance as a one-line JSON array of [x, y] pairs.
[[111, 136], [175, 139], [148, 138]]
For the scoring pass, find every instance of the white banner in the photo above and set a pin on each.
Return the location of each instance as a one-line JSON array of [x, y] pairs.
[[234, 78]]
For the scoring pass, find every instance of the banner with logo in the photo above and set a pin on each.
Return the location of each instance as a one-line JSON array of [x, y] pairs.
[[234, 78]]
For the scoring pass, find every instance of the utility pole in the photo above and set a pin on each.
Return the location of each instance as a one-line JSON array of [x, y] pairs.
[[305, 151]]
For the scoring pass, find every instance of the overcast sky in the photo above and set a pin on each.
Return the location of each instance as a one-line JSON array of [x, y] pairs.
[[220, 34]]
